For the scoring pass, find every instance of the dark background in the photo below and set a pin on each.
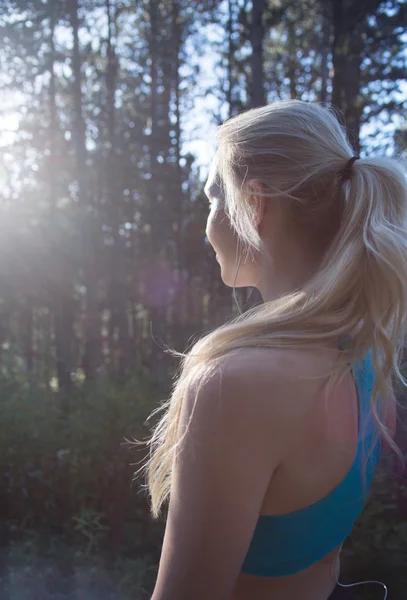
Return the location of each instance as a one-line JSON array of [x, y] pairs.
[[107, 117]]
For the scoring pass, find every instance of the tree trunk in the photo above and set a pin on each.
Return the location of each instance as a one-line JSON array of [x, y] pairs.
[[347, 58], [118, 293], [63, 320], [158, 211], [177, 39], [62, 289], [326, 46], [92, 357], [257, 38], [53, 126], [180, 276], [230, 60], [292, 59], [27, 334]]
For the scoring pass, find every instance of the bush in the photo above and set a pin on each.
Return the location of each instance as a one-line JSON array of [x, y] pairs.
[[70, 510]]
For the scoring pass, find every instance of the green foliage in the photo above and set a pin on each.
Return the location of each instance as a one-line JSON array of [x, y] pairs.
[[59, 572], [74, 524], [377, 547]]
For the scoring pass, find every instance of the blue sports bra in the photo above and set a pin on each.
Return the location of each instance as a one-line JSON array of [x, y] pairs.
[[286, 544]]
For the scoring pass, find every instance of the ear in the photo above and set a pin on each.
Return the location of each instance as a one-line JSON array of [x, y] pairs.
[[256, 200]]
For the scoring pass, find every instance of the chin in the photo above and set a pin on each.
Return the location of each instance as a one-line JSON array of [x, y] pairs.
[[228, 279]]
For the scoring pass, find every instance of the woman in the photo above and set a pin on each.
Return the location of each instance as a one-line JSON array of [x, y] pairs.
[[277, 420]]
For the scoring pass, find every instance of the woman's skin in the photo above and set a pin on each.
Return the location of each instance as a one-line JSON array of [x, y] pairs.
[[262, 438]]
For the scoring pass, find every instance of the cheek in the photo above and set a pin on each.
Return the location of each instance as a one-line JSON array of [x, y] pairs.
[[211, 226], [218, 231]]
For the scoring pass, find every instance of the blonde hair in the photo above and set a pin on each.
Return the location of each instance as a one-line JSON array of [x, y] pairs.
[[298, 151]]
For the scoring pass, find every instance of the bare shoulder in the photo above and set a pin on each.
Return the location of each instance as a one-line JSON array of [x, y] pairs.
[[263, 386], [278, 372], [281, 363]]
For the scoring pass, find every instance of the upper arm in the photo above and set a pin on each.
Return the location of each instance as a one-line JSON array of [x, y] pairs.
[[220, 476]]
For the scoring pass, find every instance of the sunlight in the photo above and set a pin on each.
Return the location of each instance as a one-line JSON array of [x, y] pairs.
[[10, 116], [13, 108]]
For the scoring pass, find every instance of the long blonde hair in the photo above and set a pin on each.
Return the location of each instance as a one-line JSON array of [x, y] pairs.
[[298, 151]]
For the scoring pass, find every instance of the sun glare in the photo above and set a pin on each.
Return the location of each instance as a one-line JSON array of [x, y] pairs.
[[9, 117]]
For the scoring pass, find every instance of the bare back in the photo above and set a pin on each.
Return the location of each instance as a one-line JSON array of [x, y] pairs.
[[317, 458]]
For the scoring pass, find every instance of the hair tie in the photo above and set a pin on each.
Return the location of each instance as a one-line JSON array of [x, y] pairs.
[[346, 172]]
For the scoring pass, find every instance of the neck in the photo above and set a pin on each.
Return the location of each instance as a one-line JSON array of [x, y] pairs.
[[276, 283]]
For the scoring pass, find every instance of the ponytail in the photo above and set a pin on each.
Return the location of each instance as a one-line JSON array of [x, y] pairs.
[[375, 199]]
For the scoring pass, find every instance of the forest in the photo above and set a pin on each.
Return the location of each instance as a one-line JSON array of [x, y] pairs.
[[108, 115]]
